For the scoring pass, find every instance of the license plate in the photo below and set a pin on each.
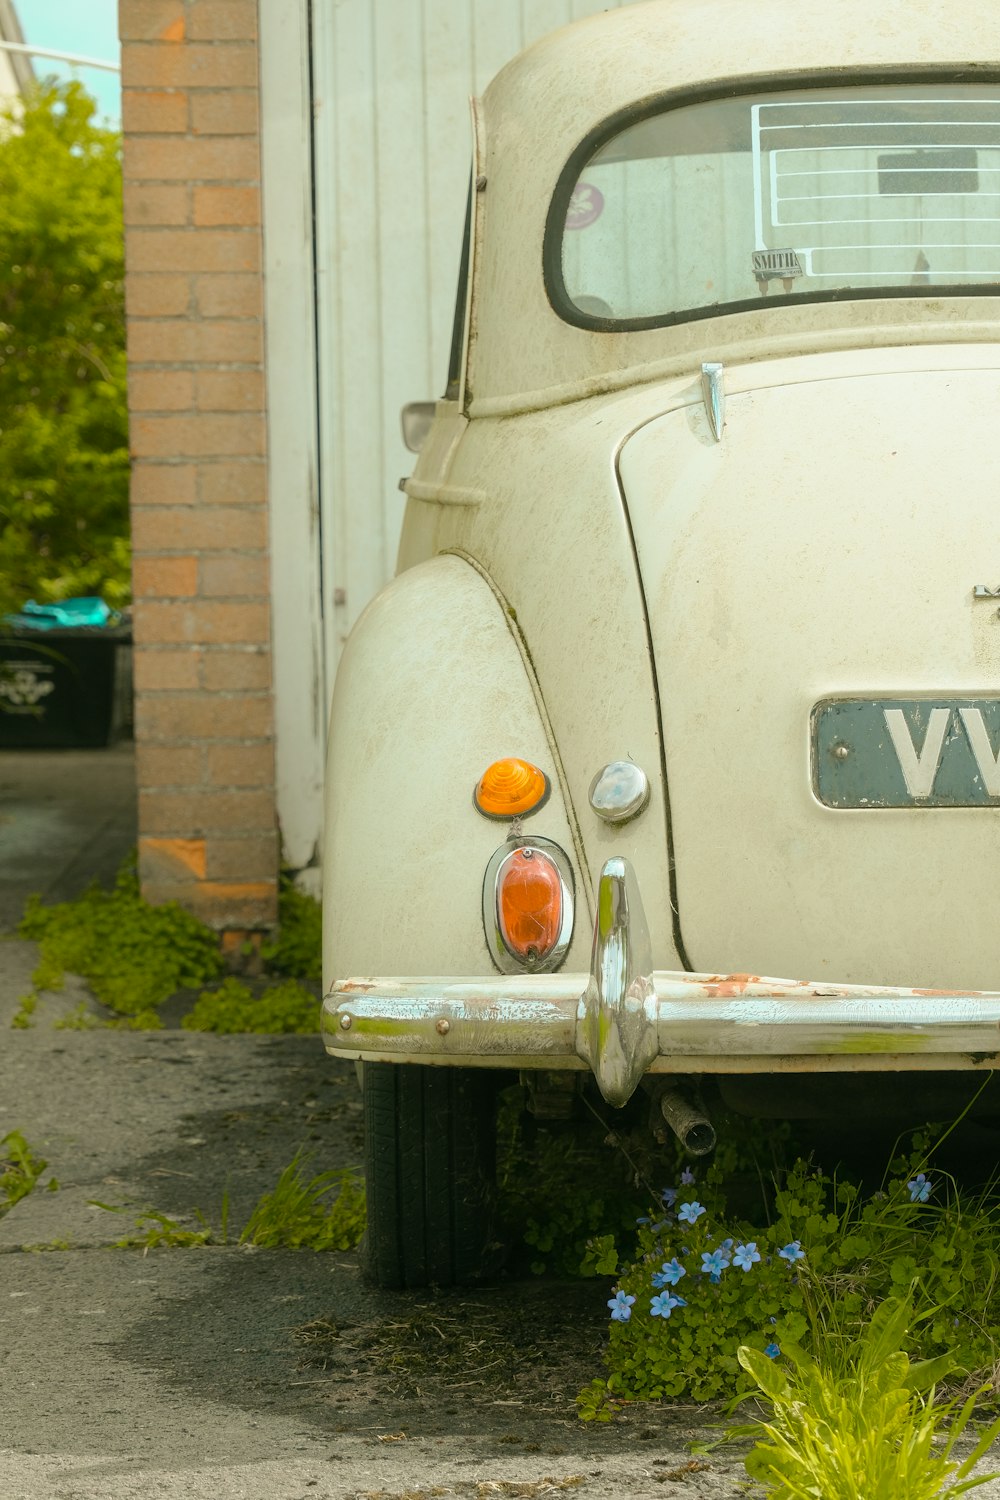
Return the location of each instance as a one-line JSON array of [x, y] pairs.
[[907, 752]]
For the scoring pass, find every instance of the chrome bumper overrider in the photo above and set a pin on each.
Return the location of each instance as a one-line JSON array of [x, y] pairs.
[[625, 1019]]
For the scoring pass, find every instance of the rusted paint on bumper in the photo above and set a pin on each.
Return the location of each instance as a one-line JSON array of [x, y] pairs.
[[623, 1019]]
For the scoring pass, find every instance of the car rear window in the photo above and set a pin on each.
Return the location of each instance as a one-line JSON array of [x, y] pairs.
[[818, 193]]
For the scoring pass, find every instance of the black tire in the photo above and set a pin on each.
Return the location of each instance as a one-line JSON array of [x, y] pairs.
[[430, 1168]]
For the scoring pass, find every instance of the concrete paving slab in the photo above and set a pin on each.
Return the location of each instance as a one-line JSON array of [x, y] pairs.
[[67, 817], [172, 1120]]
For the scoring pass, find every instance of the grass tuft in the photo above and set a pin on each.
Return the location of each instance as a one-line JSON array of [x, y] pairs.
[[858, 1422], [323, 1212]]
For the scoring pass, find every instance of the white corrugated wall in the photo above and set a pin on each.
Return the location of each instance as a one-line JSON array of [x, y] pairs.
[[367, 145], [393, 146]]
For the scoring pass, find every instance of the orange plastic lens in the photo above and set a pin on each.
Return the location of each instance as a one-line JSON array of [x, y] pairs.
[[529, 904], [510, 787]]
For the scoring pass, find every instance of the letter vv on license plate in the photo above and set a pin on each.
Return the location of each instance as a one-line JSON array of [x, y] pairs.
[[907, 752]]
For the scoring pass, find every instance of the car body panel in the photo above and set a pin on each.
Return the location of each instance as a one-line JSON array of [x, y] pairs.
[[827, 547], [430, 692]]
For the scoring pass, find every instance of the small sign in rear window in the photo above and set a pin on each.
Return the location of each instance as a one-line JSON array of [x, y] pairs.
[[769, 264]]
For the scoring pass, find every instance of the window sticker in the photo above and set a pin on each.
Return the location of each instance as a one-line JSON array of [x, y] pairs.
[[585, 206]]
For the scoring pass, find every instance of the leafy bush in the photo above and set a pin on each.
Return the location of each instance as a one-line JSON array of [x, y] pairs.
[[569, 1208], [64, 433]]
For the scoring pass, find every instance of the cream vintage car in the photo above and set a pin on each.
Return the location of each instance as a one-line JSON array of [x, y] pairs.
[[691, 670]]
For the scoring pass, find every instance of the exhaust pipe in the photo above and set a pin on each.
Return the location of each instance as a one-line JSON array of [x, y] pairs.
[[690, 1124]]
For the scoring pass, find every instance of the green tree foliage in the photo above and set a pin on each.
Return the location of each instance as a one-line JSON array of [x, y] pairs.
[[63, 414]]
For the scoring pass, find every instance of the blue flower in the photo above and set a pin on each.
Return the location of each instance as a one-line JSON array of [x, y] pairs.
[[687, 1177], [920, 1188], [793, 1252], [727, 1245], [772, 1351], [663, 1305], [670, 1273], [714, 1264], [621, 1307], [688, 1213], [669, 1196], [746, 1256]]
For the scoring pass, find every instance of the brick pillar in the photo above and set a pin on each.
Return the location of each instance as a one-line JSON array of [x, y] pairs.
[[204, 730]]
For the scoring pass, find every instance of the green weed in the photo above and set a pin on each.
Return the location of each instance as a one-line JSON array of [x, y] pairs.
[[232, 1007], [78, 1019], [595, 1403], [152, 1229], [569, 1209], [24, 1016], [860, 1423], [20, 1170], [297, 950], [324, 1212]]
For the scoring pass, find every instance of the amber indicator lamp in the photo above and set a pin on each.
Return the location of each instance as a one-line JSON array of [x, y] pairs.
[[511, 788]]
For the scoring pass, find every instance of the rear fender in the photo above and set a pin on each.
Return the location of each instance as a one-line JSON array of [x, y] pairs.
[[431, 689]]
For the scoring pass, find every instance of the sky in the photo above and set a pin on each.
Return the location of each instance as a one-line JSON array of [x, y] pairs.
[[87, 27]]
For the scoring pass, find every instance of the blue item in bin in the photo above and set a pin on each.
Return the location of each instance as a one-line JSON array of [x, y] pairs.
[[87, 611]]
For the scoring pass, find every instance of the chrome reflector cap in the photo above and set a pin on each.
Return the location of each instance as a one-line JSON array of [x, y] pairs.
[[619, 792]]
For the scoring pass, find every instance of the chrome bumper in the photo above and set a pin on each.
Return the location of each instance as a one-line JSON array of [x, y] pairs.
[[625, 1019]]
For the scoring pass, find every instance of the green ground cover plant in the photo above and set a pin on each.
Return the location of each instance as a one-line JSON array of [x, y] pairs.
[[568, 1209], [135, 956], [808, 1272], [132, 954], [297, 949], [24, 1016], [232, 1007]]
